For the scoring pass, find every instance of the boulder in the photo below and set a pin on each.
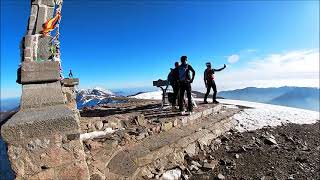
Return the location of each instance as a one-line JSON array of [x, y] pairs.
[[270, 139], [141, 120], [236, 156], [166, 126], [220, 176], [98, 125], [191, 149], [173, 174], [210, 165], [196, 163]]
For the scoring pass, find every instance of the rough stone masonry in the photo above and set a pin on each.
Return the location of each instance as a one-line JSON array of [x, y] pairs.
[[43, 137]]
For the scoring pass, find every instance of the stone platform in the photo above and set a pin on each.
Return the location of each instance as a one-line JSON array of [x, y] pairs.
[[144, 113], [136, 150]]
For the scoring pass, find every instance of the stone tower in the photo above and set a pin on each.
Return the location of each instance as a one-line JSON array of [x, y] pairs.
[[43, 137]]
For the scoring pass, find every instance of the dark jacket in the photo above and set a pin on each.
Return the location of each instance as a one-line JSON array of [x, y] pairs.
[[209, 74], [173, 76]]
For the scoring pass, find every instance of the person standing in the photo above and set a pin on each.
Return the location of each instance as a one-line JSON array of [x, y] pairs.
[[185, 81], [173, 81], [210, 83], [70, 74]]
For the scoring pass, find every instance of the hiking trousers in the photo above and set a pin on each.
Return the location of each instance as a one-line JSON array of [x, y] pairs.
[[211, 84], [175, 89], [185, 87]]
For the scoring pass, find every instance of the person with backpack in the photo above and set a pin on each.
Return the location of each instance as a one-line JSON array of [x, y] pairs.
[[210, 83], [185, 81], [173, 81]]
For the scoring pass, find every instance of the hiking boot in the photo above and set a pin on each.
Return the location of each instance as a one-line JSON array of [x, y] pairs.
[[174, 109], [215, 102], [205, 102]]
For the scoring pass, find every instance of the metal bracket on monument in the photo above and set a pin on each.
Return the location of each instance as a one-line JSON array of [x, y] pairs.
[[163, 85]]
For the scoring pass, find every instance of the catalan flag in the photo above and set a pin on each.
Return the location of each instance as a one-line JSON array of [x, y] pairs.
[[50, 25]]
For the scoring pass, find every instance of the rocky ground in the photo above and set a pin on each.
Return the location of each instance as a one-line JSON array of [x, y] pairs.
[[282, 152]]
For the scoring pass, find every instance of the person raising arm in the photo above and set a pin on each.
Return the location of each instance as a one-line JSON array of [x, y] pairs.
[[209, 82]]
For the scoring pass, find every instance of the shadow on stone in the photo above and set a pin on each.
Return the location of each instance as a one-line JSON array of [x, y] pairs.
[[5, 168]]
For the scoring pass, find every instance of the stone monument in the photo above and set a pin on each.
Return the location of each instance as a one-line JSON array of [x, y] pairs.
[[43, 137]]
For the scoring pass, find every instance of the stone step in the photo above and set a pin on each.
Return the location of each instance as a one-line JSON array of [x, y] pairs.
[[132, 161]]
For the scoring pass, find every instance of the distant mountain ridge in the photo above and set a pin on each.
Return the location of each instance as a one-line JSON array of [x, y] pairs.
[[8, 104], [299, 97], [95, 96]]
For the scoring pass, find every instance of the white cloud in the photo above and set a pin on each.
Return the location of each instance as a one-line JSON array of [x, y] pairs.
[[233, 58], [293, 68]]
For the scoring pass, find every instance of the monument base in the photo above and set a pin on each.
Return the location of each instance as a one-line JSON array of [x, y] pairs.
[[44, 144]]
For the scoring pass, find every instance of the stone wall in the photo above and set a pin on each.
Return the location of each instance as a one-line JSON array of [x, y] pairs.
[[43, 138], [69, 91]]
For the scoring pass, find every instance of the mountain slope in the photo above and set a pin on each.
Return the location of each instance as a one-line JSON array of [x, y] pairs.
[[306, 98], [301, 97], [254, 94]]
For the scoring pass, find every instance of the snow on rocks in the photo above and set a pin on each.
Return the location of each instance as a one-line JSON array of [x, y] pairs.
[[220, 176], [173, 174], [96, 134]]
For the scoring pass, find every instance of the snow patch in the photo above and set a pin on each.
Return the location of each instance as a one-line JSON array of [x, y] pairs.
[[231, 106], [95, 134], [173, 174], [261, 115], [149, 95]]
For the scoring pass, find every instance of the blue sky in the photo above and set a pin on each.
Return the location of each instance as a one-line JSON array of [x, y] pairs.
[[127, 44]]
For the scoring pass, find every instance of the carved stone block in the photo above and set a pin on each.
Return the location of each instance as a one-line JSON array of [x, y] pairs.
[[41, 95], [41, 18], [44, 52], [36, 72]]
